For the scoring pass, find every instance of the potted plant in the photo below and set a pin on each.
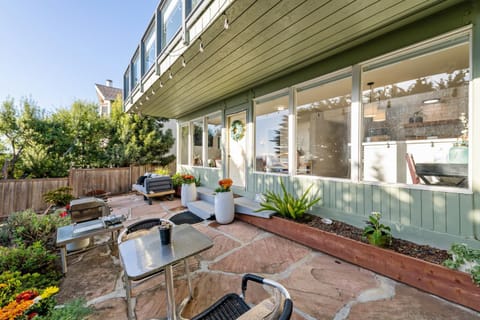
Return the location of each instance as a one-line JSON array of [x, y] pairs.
[[377, 233], [286, 204], [224, 205], [189, 189], [177, 181]]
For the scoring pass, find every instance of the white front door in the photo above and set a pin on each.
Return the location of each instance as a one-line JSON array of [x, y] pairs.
[[237, 148]]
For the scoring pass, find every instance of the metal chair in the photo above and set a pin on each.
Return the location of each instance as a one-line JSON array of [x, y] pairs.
[[233, 306], [127, 233]]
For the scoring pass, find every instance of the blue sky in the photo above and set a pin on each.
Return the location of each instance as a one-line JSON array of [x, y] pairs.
[[54, 51]]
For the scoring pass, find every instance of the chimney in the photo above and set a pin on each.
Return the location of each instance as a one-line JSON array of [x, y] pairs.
[[109, 83]]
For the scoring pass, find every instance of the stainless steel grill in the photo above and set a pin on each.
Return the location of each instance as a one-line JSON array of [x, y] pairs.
[[86, 209]]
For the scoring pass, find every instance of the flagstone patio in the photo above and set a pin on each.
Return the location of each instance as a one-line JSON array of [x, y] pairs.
[[321, 286]]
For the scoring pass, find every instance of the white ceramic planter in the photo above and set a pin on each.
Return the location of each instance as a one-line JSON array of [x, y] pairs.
[[224, 207], [189, 193]]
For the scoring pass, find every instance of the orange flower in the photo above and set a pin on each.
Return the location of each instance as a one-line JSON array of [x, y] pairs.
[[225, 185], [188, 178], [14, 309]]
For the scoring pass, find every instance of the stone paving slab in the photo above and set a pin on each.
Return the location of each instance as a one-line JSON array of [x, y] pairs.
[[322, 287]]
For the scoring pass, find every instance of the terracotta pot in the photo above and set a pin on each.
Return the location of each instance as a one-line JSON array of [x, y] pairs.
[[449, 284], [224, 207], [189, 193]]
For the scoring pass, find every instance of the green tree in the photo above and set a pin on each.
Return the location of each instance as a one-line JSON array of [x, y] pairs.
[[17, 125], [137, 139]]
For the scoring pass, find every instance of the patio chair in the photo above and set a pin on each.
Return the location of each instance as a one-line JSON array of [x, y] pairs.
[[233, 306], [135, 230]]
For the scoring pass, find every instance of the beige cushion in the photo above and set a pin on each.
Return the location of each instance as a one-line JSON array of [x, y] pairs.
[[260, 311]]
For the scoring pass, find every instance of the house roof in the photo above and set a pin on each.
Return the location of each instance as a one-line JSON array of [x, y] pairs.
[[106, 93]]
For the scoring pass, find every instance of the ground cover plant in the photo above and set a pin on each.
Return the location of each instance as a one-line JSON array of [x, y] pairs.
[[30, 269]]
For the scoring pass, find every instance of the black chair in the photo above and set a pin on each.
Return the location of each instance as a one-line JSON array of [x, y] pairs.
[[233, 306], [128, 232]]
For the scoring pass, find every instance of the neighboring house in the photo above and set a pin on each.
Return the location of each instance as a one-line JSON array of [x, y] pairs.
[[339, 94], [106, 96]]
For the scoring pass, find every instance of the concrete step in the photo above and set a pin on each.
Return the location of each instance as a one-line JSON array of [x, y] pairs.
[[201, 208], [206, 194], [248, 206]]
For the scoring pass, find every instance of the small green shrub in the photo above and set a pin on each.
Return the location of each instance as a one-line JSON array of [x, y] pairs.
[[72, 310], [35, 258], [286, 204], [465, 259], [12, 283], [59, 197], [377, 233], [177, 179], [26, 227]]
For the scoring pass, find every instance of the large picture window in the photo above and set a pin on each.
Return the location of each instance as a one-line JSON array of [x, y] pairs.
[[323, 128], [184, 144], [136, 71], [171, 20], [198, 142], [415, 116], [271, 134], [149, 47], [214, 126]]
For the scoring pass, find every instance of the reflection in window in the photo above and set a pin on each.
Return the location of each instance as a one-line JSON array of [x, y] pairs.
[[126, 84], [214, 125], [171, 20], [191, 5], [417, 107], [323, 129], [184, 145], [197, 142], [149, 46], [135, 70], [271, 135]]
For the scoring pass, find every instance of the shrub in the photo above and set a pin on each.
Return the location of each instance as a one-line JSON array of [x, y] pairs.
[[13, 283], [26, 227], [73, 310], [163, 171], [286, 204], [465, 259], [377, 233], [35, 258], [177, 180], [59, 197]]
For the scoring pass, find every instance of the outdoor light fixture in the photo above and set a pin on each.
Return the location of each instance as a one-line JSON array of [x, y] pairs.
[[431, 101], [141, 103], [161, 84], [153, 92], [184, 63], [170, 75], [225, 22], [201, 49], [147, 98]]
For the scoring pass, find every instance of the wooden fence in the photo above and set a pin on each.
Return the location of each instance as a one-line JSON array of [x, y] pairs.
[[21, 194]]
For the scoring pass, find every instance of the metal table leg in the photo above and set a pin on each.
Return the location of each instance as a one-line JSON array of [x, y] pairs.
[[171, 307], [63, 256]]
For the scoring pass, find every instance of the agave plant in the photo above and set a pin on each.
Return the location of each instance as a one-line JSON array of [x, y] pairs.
[[286, 204]]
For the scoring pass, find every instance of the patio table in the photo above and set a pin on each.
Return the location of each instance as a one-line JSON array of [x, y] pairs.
[[145, 256], [68, 234]]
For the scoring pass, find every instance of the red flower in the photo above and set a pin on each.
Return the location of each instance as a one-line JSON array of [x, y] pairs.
[[26, 295], [67, 207], [32, 315], [64, 214]]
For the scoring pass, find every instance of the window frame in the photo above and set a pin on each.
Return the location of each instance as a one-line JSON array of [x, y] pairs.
[[149, 42]]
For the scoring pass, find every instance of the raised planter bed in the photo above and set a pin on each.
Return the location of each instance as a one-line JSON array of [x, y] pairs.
[[449, 284]]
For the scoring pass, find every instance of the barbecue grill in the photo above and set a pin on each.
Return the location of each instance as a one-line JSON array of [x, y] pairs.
[[86, 209]]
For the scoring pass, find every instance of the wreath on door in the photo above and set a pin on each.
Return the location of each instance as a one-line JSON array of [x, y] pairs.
[[237, 130]]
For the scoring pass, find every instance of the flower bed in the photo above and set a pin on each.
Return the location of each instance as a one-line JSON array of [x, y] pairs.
[[449, 284]]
